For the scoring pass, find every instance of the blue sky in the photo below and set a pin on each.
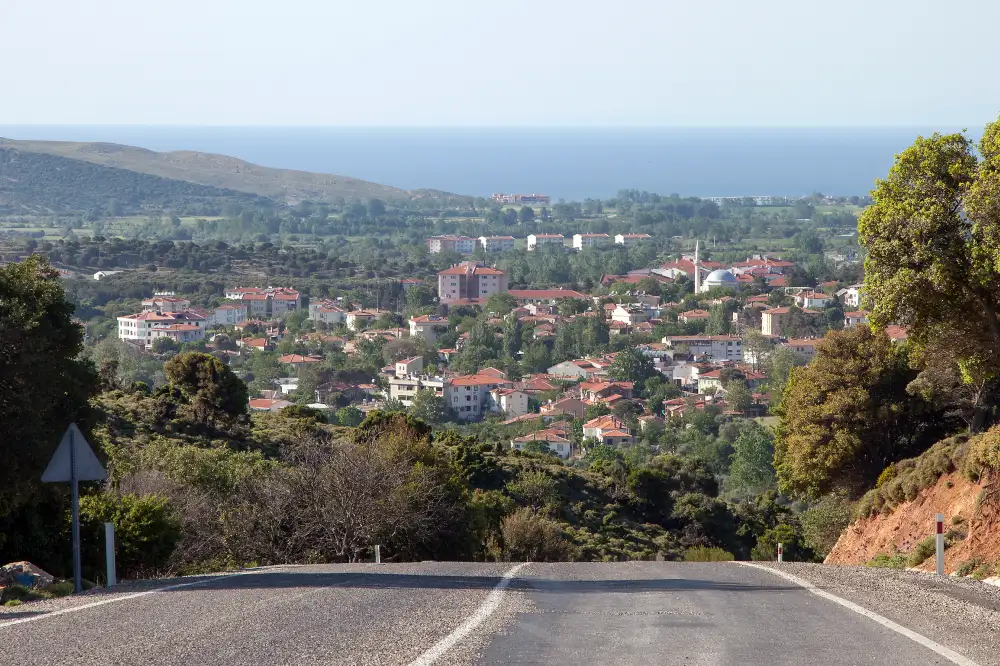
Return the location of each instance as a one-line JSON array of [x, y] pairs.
[[516, 62]]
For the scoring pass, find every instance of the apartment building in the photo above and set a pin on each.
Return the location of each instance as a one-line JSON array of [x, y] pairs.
[[580, 241], [470, 281], [629, 240], [266, 303], [715, 347], [405, 387], [545, 240], [428, 326], [460, 244], [229, 314], [139, 328], [497, 243], [328, 312], [165, 302], [772, 321]]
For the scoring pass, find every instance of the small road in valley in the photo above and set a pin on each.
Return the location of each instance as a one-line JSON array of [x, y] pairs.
[[419, 614]]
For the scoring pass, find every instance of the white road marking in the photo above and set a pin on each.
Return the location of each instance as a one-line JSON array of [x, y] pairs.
[[484, 611], [124, 597], [945, 652]]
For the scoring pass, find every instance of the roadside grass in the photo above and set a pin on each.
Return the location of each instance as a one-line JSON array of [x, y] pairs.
[[886, 561], [707, 554], [15, 595]]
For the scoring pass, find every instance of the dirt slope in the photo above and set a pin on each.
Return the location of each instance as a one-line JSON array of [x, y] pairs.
[[905, 525], [221, 171]]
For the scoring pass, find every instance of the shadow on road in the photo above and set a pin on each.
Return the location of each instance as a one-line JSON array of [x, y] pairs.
[[272, 580], [7, 616]]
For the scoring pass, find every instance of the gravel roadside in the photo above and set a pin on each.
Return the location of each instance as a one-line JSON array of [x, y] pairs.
[[956, 612]]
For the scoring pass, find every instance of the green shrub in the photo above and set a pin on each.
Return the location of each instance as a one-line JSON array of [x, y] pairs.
[[957, 520], [887, 475], [984, 570], [707, 554], [528, 536], [794, 548], [823, 523], [146, 532], [967, 567], [924, 549], [884, 561]]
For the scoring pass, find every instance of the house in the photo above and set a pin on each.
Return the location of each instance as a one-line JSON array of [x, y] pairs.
[[715, 347], [578, 369], [601, 392], [851, 296], [693, 315], [629, 315], [804, 348], [264, 303], [409, 366], [709, 381], [470, 281], [404, 388], [556, 438], [608, 430], [772, 321], [510, 401], [179, 333], [229, 314], [678, 406], [545, 240], [535, 384], [581, 241], [541, 296], [632, 239], [165, 302], [359, 319], [327, 311], [138, 328], [268, 404], [259, 344], [855, 318], [497, 243], [298, 360], [287, 384], [570, 406], [650, 421], [812, 299], [428, 326], [459, 244]]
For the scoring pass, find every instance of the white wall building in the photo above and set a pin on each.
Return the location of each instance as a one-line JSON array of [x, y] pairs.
[[580, 241], [328, 312], [428, 326], [497, 243], [181, 326], [632, 239], [545, 240], [715, 347]]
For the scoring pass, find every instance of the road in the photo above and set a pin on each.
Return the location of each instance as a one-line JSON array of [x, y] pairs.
[[553, 614]]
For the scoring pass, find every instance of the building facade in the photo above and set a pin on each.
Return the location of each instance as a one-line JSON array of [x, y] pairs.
[[545, 240], [581, 241], [470, 281]]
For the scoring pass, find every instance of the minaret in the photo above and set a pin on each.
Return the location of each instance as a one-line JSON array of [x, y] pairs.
[[697, 270]]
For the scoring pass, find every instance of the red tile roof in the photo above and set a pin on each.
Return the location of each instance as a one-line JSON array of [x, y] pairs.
[[523, 294]]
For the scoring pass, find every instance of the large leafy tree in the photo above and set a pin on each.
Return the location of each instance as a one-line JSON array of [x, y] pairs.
[[933, 241], [847, 415], [43, 388], [211, 389], [428, 407], [631, 365], [751, 470]]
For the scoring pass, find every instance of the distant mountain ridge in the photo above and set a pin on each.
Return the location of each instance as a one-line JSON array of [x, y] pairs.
[[223, 172]]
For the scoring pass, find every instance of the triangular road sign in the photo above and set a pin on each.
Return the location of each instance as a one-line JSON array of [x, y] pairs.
[[88, 467]]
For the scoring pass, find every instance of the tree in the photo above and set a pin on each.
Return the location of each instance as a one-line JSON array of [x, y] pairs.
[[209, 386], [43, 388], [932, 237], [375, 208], [751, 470], [500, 303], [631, 365], [537, 357], [350, 416], [164, 345], [526, 214], [739, 396], [429, 407], [847, 415], [756, 347], [778, 368], [512, 336], [419, 296]]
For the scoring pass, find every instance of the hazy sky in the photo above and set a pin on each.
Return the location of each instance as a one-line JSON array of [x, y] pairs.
[[512, 62]]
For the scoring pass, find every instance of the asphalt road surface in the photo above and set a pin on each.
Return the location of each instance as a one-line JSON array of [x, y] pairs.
[[452, 613]]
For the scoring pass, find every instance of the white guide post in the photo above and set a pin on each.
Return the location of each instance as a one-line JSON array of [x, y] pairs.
[[939, 537], [109, 553]]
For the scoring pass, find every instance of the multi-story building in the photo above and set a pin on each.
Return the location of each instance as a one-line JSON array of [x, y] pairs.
[[265, 303], [404, 388], [511, 401], [470, 281], [810, 299], [497, 243], [632, 239], [502, 198], [165, 302], [428, 326], [581, 241], [327, 311], [715, 347], [469, 396], [545, 240], [772, 321], [852, 296], [229, 314], [409, 366], [805, 348], [460, 244], [855, 318], [139, 328], [359, 319]]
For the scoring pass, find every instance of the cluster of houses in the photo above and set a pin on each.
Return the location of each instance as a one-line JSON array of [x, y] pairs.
[[468, 244]]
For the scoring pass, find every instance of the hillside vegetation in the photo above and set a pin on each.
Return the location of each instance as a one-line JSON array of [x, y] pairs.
[[220, 171], [36, 183]]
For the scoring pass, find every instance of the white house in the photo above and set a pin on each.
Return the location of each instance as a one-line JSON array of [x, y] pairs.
[[327, 311], [715, 347], [404, 388], [510, 401], [497, 243], [855, 318], [229, 314], [181, 326], [410, 366], [851, 296], [607, 430], [359, 319], [812, 299], [555, 438], [428, 326]]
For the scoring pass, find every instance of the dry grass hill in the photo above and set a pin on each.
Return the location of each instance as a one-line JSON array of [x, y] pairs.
[[220, 171]]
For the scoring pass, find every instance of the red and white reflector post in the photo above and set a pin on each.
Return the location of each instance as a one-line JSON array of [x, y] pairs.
[[780, 553], [939, 539]]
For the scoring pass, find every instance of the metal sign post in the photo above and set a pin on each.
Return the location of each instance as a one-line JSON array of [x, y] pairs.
[[74, 461]]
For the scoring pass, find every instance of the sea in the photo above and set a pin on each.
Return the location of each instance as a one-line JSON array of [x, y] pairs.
[[571, 163]]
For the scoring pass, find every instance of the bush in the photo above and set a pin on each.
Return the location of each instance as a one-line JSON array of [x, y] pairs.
[[924, 549], [534, 488], [707, 554], [794, 548], [966, 568], [883, 561], [823, 523], [528, 536], [146, 532]]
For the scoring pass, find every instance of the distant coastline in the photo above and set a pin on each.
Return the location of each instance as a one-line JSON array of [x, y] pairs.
[[566, 163]]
